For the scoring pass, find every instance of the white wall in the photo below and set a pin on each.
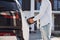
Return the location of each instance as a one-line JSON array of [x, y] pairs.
[[53, 22], [27, 14]]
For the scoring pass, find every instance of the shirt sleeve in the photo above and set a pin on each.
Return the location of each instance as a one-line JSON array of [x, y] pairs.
[[43, 8]]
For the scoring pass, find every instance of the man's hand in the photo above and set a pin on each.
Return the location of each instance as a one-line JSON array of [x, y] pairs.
[[30, 20]]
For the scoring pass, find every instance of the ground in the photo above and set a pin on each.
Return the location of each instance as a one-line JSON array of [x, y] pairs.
[[33, 36], [36, 36]]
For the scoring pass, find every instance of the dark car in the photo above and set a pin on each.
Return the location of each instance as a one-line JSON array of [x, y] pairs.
[[10, 17]]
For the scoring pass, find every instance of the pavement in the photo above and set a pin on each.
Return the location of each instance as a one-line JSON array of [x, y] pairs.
[[37, 36], [33, 36], [55, 38]]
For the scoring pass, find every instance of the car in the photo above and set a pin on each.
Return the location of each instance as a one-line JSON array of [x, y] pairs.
[[9, 16], [12, 19]]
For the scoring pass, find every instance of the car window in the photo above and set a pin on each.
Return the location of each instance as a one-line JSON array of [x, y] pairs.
[[7, 5]]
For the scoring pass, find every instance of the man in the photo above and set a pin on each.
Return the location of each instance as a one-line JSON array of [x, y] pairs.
[[45, 17]]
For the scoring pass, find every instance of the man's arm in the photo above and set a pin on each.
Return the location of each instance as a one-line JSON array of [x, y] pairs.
[[43, 9]]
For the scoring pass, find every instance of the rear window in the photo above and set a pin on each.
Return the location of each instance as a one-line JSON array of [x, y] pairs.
[[8, 5]]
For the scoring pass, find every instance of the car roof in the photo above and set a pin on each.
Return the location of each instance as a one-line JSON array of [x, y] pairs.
[[8, 5]]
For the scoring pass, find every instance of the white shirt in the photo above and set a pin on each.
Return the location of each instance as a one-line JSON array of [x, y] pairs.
[[45, 14]]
